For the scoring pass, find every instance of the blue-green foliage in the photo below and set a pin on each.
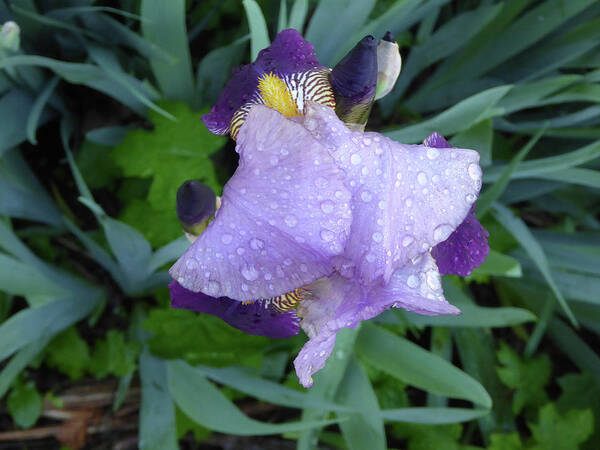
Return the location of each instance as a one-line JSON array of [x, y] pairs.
[[100, 110]]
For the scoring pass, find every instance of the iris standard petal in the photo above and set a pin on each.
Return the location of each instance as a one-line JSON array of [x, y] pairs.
[[292, 61], [467, 247], [405, 198], [259, 318], [284, 214]]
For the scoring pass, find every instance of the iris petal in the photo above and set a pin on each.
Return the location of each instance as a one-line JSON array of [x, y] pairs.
[[257, 318], [338, 303], [284, 214], [405, 198], [467, 247]]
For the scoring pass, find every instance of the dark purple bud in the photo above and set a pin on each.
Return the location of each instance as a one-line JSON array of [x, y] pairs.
[[354, 80], [196, 205], [389, 37]]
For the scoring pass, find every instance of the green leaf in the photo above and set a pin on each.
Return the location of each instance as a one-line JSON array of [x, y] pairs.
[[494, 192], [206, 405], [24, 403], [416, 366], [95, 164], [174, 152], [434, 416], [185, 425], [298, 15], [497, 264], [157, 412], [479, 137], [426, 437], [509, 441], [365, 429], [527, 377], [68, 353], [163, 25], [458, 118], [18, 362], [159, 227], [554, 431], [259, 35], [581, 391], [201, 339], [523, 235], [114, 356]]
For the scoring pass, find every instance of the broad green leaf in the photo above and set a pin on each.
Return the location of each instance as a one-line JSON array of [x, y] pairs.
[[424, 437], [574, 347], [201, 339], [13, 368], [33, 324], [581, 391], [479, 137], [282, 17], [15, 107], [418, 367], [24, 403], [433, 416], [97, 168], [18, 278], [326, 384], [267, 391], [508, 441], [38, 108], [494, 192], [157, 413], [171, 154], [554, 431], [365, 429], [259, 35], [206, 405], [68, 353], [523, 235], [329, 35], [298, 15], [114, 356], [498, 264], [527, 377], [457, 118], [163, 24]]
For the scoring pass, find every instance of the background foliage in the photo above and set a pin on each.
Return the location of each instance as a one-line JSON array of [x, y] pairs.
[[100, 104]]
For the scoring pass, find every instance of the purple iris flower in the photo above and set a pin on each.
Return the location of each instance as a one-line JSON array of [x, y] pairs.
[[321, 227]]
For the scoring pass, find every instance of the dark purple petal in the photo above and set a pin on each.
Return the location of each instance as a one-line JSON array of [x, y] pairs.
[[353, 81], [289, 53], [467, 247], [405, 199], [436, 140], [284, 215], [257, 318], [464, 250]]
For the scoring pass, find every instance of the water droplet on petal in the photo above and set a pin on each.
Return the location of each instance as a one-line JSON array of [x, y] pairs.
[[240, 251], [433, 153], [474, 171], [377, 236], [327, 235], [412, 281], [321, 182], [442, 232], [256, 244], [249, 273], [327, 206], [303, 268], [408, 202], [366, 196], [226, 238], [422, 178], [213, 287], [290, 220], [470, 198], [407, 240], [433, 280], [355, 159]]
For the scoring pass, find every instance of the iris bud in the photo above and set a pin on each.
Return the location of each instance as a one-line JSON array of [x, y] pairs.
[[10, 36], [353, 81], [196, 205], [389, 64]]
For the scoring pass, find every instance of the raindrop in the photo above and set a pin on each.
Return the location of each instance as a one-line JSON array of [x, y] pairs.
[[470, 198], [422, 178], [327, 206], [412, 281], [256, 244], [366, 196], [442, 232], [377, 236], [327, 235], [433, 153], [355, 159], [474, 171], [290, 220], [226, 238], [407, 240], [433, 280], [249, 273]]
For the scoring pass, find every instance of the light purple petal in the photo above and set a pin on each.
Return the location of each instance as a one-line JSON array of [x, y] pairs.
[[284, 214], [416, 287], [257, 318], [405, 198], [465, 249], [289, 53]]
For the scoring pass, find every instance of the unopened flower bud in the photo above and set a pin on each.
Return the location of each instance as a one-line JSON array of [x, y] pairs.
[[353, 81], [10, 36], [389, 64], [196, 205]]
